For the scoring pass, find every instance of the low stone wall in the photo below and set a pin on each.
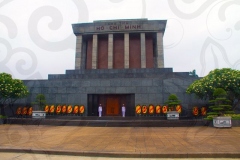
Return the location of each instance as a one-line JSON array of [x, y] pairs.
[[115, 122]]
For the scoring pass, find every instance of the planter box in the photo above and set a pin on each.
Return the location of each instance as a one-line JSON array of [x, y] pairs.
[[38, 114], [172, 115], [3, 121], [222, 122]]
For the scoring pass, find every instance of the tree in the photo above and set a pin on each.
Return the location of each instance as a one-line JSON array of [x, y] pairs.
[[172, 102], [220, 105], [40, 101], [226, 78], [10, 90]]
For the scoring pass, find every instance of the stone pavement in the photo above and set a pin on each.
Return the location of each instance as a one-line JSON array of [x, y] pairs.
[[131, 142], [31, 156]]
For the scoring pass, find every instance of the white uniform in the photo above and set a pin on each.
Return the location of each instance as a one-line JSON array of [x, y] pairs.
[[100, 111], [123, 111]]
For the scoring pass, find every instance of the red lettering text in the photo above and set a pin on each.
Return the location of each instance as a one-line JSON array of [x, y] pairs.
[[100, 28], [114, 27]]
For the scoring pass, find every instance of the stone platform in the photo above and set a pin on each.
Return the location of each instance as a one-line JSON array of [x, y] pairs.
[[113, 121], [109, 121]]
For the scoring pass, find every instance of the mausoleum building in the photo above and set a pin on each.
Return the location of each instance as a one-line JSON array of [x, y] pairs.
[[117, 62]]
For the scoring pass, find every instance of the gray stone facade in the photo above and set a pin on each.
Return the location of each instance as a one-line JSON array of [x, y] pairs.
[[150, 86]]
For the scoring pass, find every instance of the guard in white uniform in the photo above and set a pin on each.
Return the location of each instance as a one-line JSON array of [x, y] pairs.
[[100, 110], [123, 110]]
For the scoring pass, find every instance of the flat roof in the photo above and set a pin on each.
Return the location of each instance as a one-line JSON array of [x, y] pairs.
[[119, 26]]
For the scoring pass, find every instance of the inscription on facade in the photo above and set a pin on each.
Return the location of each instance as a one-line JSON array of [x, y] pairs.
[[121, 26], [115, 26]]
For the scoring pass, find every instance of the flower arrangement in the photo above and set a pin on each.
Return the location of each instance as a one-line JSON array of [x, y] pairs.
[[75, 110], [30, 109], [46, 109], [69, 109], [64, 109], [164, 109], [52, 109], [203, 111], [81, 109], [58, 109], [144, 109], [24, 111], [19, 111], [179, 109], [151, 109], [195, 111], [138, 109], [158, 109]]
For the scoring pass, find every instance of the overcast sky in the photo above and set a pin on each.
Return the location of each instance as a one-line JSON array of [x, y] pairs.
[[36, 37]]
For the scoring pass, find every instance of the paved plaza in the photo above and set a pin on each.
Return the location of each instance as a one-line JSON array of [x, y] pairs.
[[130, 142], [31, 156]]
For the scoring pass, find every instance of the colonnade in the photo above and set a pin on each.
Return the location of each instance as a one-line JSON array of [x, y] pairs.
[[79, 57]]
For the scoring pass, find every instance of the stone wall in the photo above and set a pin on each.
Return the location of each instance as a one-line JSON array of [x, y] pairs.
[[150, 86]]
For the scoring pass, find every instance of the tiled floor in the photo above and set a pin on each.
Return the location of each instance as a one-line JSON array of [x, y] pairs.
[[122, 140], [29, 156]]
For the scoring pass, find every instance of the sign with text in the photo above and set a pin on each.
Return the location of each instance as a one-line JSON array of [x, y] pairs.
[[117, 26], [112, 26]]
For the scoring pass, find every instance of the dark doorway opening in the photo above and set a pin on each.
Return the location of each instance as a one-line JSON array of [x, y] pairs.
[[111, 104]]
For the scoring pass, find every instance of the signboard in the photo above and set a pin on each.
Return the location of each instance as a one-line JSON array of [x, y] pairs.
[[118, 26], [112, 26]]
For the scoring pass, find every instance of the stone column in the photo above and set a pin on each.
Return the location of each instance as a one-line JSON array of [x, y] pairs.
[[126, 50], [110, 51], [94, 51], [143, 51], [78, 55], [160, 56], [84, 54]]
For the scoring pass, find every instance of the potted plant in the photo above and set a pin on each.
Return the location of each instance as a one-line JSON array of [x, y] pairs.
[[172, 103], [39, 103], [219, 106]]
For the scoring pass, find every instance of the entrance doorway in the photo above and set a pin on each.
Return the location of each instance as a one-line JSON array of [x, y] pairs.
[[111, 104]]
